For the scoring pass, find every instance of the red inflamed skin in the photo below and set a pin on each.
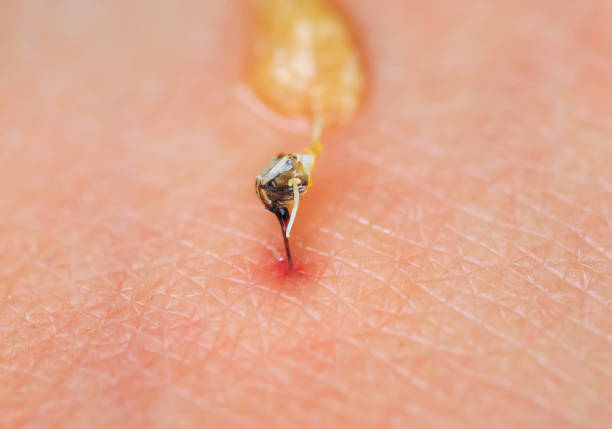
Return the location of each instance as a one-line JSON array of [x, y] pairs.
[[453, 258]]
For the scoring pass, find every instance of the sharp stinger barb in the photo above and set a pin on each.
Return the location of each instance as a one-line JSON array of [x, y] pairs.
[[281, 215]]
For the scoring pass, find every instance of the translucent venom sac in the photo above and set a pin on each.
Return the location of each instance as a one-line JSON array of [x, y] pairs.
[[305, 61]]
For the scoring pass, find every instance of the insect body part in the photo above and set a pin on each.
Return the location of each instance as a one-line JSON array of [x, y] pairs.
[[295, 185], [305, 59], [279, 187], [273, 185]]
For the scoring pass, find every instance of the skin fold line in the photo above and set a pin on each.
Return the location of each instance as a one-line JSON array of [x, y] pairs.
[[305, 64]]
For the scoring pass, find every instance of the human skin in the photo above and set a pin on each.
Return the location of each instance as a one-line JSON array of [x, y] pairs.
[[453, 257]]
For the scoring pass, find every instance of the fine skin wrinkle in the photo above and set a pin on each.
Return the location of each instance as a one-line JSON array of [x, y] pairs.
[[455, 270]]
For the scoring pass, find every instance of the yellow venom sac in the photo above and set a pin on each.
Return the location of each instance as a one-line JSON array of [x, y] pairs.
[[305, 62]]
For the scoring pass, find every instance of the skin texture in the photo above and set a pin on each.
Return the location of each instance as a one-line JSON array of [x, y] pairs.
[[454, 256]]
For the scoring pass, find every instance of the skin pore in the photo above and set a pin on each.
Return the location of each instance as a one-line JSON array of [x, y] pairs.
[[453, 257]]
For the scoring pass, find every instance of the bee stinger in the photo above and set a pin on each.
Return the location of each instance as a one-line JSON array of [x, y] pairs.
[[282, 182]]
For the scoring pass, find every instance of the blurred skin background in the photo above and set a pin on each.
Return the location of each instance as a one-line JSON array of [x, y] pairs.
[[455, 251]]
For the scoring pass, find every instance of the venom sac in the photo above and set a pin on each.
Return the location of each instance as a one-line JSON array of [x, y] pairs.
[[305, 61]]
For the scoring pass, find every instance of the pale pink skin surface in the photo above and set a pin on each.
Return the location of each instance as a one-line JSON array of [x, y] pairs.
[[454, 255]]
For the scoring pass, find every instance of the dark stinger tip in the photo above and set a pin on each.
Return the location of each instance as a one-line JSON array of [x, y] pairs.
[[283, 218]]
